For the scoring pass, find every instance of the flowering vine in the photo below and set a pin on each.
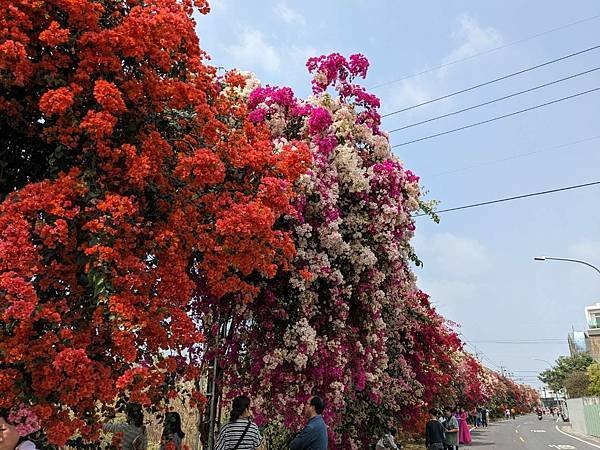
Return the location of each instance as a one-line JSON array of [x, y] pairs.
[[155, 216], [130, 172]]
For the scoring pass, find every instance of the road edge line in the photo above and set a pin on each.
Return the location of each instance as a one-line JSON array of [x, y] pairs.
[[575, 437]]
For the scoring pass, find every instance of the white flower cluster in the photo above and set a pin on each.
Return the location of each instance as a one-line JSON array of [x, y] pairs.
[[251, 83], [300, 341]]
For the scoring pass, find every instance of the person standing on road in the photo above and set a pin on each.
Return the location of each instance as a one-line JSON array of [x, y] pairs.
[[464, 435], [484, 417], [479, 417], [314, 434], [434, 432], [451, 427]]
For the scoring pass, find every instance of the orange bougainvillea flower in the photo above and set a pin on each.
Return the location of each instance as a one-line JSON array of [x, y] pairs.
[[133, 176], [56, 101]]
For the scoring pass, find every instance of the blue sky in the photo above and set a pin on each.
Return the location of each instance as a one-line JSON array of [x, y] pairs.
[[479, 266]]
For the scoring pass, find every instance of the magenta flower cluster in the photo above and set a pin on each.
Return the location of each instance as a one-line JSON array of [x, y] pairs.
[[325, 326], [25, 421]]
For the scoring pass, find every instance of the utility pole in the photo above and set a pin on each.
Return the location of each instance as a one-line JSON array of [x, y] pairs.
[[544, 402]]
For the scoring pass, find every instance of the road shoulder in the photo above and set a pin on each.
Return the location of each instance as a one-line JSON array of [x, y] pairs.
[[566, 430]]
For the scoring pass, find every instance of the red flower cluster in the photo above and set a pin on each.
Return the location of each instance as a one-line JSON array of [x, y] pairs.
[[155, 180], [56, 101]]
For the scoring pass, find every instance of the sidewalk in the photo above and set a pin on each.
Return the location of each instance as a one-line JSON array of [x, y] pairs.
[[566, 428]]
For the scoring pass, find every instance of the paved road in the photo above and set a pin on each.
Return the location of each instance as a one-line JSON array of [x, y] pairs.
[[526, 433]]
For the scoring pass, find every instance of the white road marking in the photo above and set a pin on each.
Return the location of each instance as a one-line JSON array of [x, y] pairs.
[[576, 438], [538, 431], [561, 446]]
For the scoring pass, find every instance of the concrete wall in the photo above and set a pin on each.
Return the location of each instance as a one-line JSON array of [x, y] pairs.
[[576, 415]]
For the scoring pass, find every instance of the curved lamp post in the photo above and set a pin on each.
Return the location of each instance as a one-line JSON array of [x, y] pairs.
[[578, 261], [544, 258]]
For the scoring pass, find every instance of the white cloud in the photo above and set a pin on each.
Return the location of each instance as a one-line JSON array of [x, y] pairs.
[[253, 49], [472, 38], [410, 92], [288, 15], [218, 5], [301, 54]]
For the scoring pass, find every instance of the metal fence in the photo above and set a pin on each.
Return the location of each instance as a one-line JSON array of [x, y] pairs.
[[591, 411]]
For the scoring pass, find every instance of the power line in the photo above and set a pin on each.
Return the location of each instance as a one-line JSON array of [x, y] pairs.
[[441, 66], [478, 352], [522, 343], [518, 341], [479, 105], [527, 371], [474, 205], [521, 155], [493, 119], [495, 80]]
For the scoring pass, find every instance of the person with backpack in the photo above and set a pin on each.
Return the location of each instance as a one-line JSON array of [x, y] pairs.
[[133, 431], [172, 435], [240, 433], [435, 433]]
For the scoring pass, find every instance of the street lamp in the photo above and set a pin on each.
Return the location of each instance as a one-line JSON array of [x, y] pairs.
[[544, 258]]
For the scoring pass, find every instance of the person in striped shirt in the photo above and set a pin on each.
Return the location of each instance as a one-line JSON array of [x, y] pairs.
[[240, 433]]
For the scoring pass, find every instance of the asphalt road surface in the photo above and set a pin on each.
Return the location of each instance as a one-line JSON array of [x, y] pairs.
[[528, 433]]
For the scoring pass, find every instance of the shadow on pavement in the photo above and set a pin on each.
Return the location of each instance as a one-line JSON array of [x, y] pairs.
[[481, 437]]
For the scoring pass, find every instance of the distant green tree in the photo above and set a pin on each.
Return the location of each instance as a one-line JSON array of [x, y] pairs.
[[565, 366], [577, 384], [593, 372]]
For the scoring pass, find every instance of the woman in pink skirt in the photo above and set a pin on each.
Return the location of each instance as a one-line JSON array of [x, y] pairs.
[[464, 433]]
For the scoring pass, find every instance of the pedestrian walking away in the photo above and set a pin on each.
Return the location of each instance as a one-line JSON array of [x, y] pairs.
[[451, 429], [484, 417], [240, 433], [314, 434], [172, 433], [434, 432]]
